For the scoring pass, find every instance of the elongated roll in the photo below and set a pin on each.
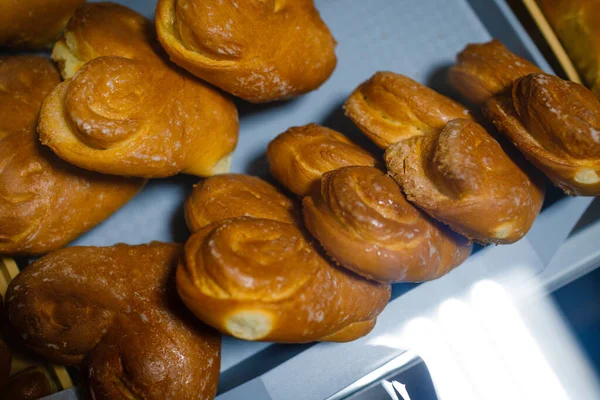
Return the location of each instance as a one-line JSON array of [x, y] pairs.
[[127, 111], [556, 125], [461, 176], [235, 195], [115, 311], [391, 107], [45, 203], [484, 70], [299, 156], [259, 279], [259, 50], [364, 222]]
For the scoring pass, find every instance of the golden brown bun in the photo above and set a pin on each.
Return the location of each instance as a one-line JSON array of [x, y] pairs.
[[461, 176], [115, 309], [390, 107], [104, 29], [484, 70], [576, 23], [299, 156], [128, 111], [44, 202], [259, 50], [30, 384], [235, 195], [259, 279], [556, 125], [363, 221], [33, 24]]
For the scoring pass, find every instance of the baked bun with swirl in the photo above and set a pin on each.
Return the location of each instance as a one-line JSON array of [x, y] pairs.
[[44, 202], [235, 195], [486, 69], [299, 156], [260, 279], [104, 29], [461, 176], [259, 50], [391, 107], [33, 24], [129, 112], [556, 125], [363, 221], [115, 311]]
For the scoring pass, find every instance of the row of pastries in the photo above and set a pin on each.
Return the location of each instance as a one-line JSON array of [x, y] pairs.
[[310, 260]]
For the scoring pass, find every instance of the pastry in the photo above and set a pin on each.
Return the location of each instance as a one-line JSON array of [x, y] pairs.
[[44, 202], [104, 29], [391, 107], [259, 279], [235, 195], [33, 24], [114, 310], [484, 70], [127, 111], [298, 157], [576, 25], [363, 221], [259, 50], [461, 176], [556, 125]]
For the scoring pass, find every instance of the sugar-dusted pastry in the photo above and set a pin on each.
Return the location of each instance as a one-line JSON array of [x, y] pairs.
[[259, 50], [115, 311], [236, 195], [127, 111], [260, 279], [33, 24], [299, 156], [391, 107], [575, 22], [364, 222], [461, 176], [44, 202], [484, 70], [556, 125]]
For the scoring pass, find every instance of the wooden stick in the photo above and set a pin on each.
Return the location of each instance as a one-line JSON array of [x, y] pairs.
[[553, 41]]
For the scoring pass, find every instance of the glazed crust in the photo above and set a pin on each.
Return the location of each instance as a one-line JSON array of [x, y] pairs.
[[299, 156], [259, 50], [115, 310], [556, 125], [484, 70], [41, 196], [235, 195], [127, 111], [33, 24], [390, 107], [461, 177], [364, 222], [259, 279]]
